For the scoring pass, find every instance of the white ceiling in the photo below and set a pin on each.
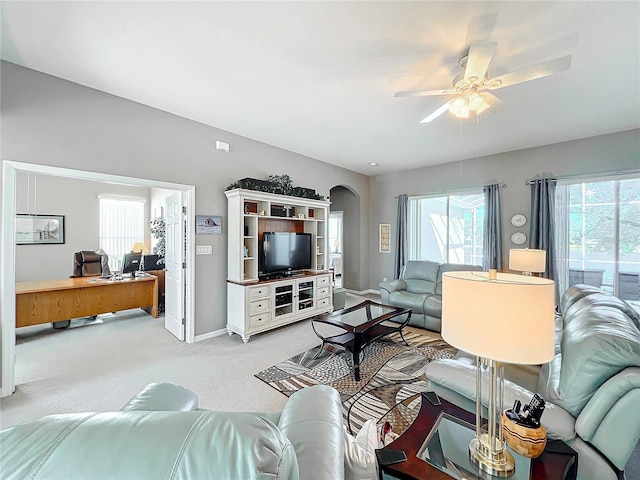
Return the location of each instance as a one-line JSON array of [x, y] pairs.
[[318, 78]]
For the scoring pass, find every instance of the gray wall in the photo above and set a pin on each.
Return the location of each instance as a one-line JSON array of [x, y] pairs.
[[78, 201], [46, 120], [606, 153]]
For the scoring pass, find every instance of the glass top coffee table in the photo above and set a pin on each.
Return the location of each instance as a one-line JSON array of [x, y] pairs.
[[360, 325]]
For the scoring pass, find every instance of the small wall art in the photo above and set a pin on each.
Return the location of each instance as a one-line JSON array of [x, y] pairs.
[[385, 238], [39, 229], [208, 225]]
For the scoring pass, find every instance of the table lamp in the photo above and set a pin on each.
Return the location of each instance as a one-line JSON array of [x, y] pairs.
[[527, 260], [139, 247], [506, 319]]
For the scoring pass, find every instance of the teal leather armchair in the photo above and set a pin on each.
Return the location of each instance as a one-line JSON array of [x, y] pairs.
[[592, 386], [160, 433], [420, 289]]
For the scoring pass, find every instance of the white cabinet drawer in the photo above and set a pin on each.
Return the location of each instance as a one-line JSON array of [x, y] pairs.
[[323, 292], [324, 280], [324, 302], [258, 292], [258, 306], [257, 321]]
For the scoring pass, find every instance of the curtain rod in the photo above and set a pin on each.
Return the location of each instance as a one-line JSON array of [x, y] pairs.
[[501, 185], [587, 175]]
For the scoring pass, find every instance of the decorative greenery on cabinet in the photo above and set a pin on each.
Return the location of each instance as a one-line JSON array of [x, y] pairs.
[[280, 184]]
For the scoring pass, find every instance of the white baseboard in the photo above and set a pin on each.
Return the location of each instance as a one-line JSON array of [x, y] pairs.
[[363, 292], [207, 336]]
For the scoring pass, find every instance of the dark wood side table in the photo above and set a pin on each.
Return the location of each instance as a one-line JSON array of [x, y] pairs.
[[557, 462]]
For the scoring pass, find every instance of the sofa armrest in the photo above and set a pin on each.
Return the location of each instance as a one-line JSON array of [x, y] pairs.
[[312, 421], [162, 397], [611, 419], [393, 285], [455, 381], [387, 287]]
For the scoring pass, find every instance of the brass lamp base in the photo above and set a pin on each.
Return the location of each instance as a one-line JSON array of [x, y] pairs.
[[496, 461]]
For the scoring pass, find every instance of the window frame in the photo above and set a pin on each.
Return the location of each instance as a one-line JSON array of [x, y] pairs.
[[116, 258], [563, 222], [414, 240]]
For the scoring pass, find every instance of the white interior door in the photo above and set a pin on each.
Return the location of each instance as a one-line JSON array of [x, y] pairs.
[[174, 265]]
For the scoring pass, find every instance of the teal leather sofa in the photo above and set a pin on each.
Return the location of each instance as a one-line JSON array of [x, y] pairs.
[[592, 386], [420, 289], [161, 434]]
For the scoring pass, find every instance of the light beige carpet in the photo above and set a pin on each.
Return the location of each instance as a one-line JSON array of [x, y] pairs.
[[99, 367]]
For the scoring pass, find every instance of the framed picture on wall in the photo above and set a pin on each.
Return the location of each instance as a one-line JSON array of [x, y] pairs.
[[385, 238], [208, 225], [39, 229]]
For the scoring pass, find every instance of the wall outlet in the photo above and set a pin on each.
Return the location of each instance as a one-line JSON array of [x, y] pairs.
[[204, 249], [384, 279]]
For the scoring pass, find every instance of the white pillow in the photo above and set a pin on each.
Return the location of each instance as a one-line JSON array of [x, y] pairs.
[[359, 453]]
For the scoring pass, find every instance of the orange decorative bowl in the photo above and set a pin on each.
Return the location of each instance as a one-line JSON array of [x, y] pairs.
[[526, 441]]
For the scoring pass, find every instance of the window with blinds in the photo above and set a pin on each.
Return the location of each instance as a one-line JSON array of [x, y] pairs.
[[121, 225], [446, 228]]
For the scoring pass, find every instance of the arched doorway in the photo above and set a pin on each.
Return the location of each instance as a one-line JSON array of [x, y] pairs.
[[344, 240]]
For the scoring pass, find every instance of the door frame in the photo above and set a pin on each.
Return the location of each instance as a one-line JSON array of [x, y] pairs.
[[8, 251]]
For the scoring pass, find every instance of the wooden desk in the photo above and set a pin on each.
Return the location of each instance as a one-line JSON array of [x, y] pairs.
[[50, 301]]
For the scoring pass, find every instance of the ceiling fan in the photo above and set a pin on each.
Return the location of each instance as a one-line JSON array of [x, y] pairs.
[[470, 89]]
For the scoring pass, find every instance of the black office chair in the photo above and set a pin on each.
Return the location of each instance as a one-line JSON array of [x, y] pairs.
[[86, 264], [90, 264]]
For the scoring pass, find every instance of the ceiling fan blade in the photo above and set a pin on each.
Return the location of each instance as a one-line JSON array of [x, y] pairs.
[[436, 114], [424, 93], [530, 73], [480, 55]]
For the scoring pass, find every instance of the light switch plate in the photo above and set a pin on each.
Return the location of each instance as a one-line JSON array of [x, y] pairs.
[[204, 249]]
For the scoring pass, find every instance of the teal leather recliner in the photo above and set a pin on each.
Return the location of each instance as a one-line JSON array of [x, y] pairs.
[[161, 434], [420, 289], [592, 386]]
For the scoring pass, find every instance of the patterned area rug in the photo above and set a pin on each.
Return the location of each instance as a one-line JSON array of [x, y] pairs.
[[390, 372]]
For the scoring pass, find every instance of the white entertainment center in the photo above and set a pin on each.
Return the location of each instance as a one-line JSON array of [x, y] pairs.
[[256, 304]]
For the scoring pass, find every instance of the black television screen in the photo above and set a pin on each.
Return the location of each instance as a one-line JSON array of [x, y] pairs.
[[131, 262], [286, 251]]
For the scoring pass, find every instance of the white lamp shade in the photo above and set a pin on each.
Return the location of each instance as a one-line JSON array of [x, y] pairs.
[[527, 260], [510, 319], [139, 247]]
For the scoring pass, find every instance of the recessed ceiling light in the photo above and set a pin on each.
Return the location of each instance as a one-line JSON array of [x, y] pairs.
[[373, 164]]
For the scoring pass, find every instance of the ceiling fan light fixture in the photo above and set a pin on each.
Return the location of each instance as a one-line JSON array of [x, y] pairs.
[[459, 107], [476, 101], [482, 108]]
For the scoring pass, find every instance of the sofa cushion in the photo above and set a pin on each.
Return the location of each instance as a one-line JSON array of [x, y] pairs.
[[405, 299], [453, 267], [420, 276], [599, 299], [312, 420], [182, 445], [596, 344], [575, 293], [163, 396]]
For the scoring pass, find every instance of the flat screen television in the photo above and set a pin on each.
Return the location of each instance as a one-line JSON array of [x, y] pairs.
[[131, 262], [285, 252]]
